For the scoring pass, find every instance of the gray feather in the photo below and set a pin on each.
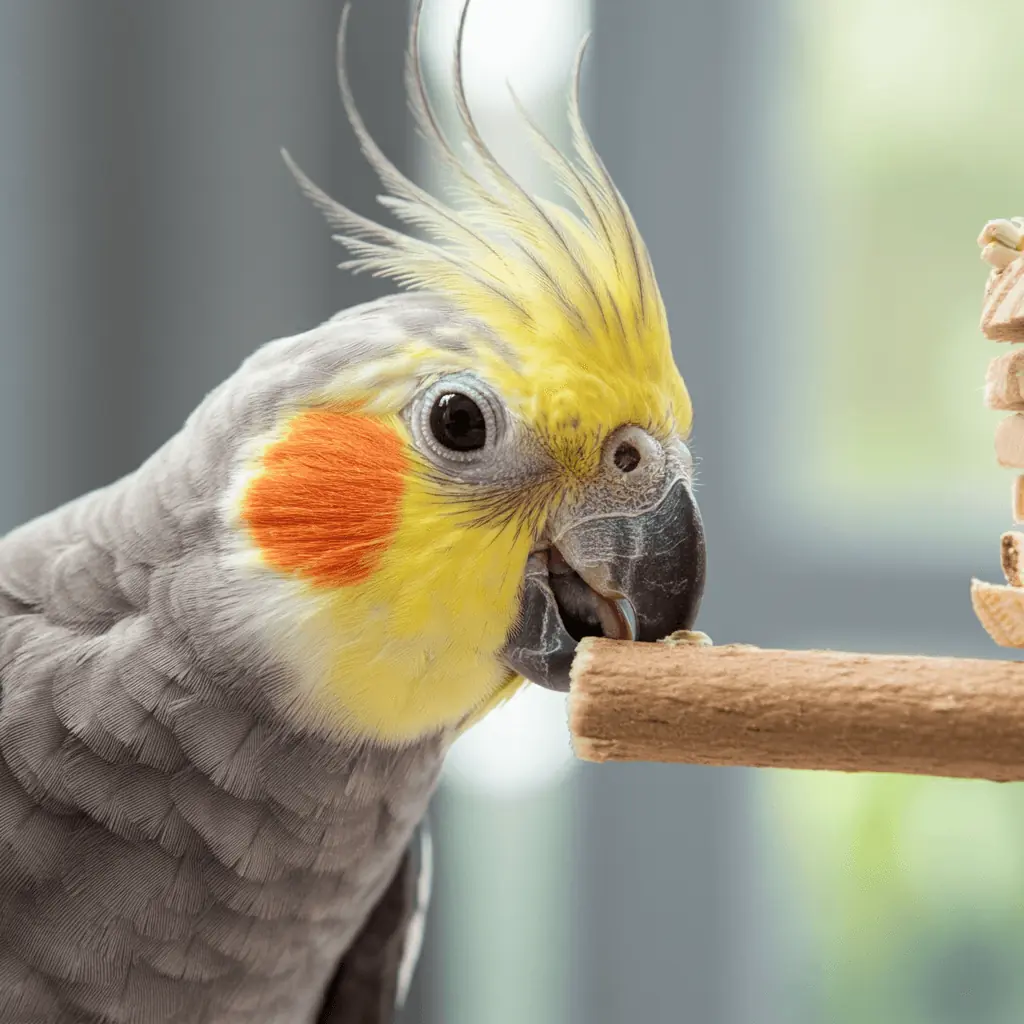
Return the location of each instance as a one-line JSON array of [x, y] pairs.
[[373, 978], [173, 847]]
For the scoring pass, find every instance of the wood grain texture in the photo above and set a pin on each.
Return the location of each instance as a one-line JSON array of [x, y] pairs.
[[1000, 609], [1010, 441], [1012, 557], [1003, 380], [1018, 499], [1002, 317], [798, 709]]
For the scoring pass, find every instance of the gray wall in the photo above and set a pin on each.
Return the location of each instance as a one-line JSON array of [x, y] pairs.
[[150, 235]]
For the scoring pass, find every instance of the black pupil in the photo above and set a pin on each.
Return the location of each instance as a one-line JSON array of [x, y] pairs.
[[457, 423]]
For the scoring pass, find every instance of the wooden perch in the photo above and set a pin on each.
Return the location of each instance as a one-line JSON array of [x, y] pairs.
[[798, 709]]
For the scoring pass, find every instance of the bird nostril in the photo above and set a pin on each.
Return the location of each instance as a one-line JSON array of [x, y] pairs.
[[627, 457]]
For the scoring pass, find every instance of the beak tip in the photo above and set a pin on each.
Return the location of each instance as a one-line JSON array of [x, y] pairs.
[[628, 615]]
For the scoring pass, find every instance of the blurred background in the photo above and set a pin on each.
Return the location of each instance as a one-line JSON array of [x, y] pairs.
[[810, 176]]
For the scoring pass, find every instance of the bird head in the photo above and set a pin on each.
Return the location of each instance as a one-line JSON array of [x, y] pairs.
[[508, 471]]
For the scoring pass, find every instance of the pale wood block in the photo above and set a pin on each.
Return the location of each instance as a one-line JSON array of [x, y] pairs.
[[1003, 381], [1002, 317], [1010, 441], [1001, 611], [1001, 241]]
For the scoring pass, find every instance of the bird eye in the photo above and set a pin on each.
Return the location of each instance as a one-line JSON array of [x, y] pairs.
[[458, 423]]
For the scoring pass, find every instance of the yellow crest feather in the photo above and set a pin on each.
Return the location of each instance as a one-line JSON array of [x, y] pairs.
[[573, 293]]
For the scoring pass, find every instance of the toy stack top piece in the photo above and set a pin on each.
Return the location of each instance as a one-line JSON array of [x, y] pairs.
[[1001, 608]]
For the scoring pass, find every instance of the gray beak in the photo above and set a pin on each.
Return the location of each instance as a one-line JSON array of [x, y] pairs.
[[623, 574]]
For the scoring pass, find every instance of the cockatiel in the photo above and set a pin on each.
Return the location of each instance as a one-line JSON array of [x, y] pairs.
[[230, 678]]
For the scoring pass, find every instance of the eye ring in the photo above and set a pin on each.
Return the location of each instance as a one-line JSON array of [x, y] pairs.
[[463, 404]]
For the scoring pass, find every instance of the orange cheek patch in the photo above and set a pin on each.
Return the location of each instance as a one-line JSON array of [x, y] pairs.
[[326, 502]]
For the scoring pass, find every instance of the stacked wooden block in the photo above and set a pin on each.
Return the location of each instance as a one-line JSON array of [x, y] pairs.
[[1001, 608]]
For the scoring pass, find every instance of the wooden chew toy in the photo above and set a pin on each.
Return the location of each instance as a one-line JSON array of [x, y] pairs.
[[1000, 608], [684, 700]]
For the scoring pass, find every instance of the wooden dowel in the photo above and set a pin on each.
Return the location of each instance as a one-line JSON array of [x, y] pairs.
[[827, 710]]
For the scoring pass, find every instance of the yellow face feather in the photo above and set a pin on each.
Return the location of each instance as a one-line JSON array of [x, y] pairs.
[[451, 591], [403, 600], [578, 344]]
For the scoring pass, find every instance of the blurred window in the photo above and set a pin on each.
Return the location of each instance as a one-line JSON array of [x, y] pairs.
[[902, 135]]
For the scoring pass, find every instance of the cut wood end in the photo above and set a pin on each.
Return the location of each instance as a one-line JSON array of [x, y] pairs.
[[1000, 609], [578, 697], [1010, 441], [1002, 317], [1012, 546], [1018, 500], [581, 662], [1003, 382]]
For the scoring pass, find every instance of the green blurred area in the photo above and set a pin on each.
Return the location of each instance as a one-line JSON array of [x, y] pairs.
[[914, 138], [915, 890]]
